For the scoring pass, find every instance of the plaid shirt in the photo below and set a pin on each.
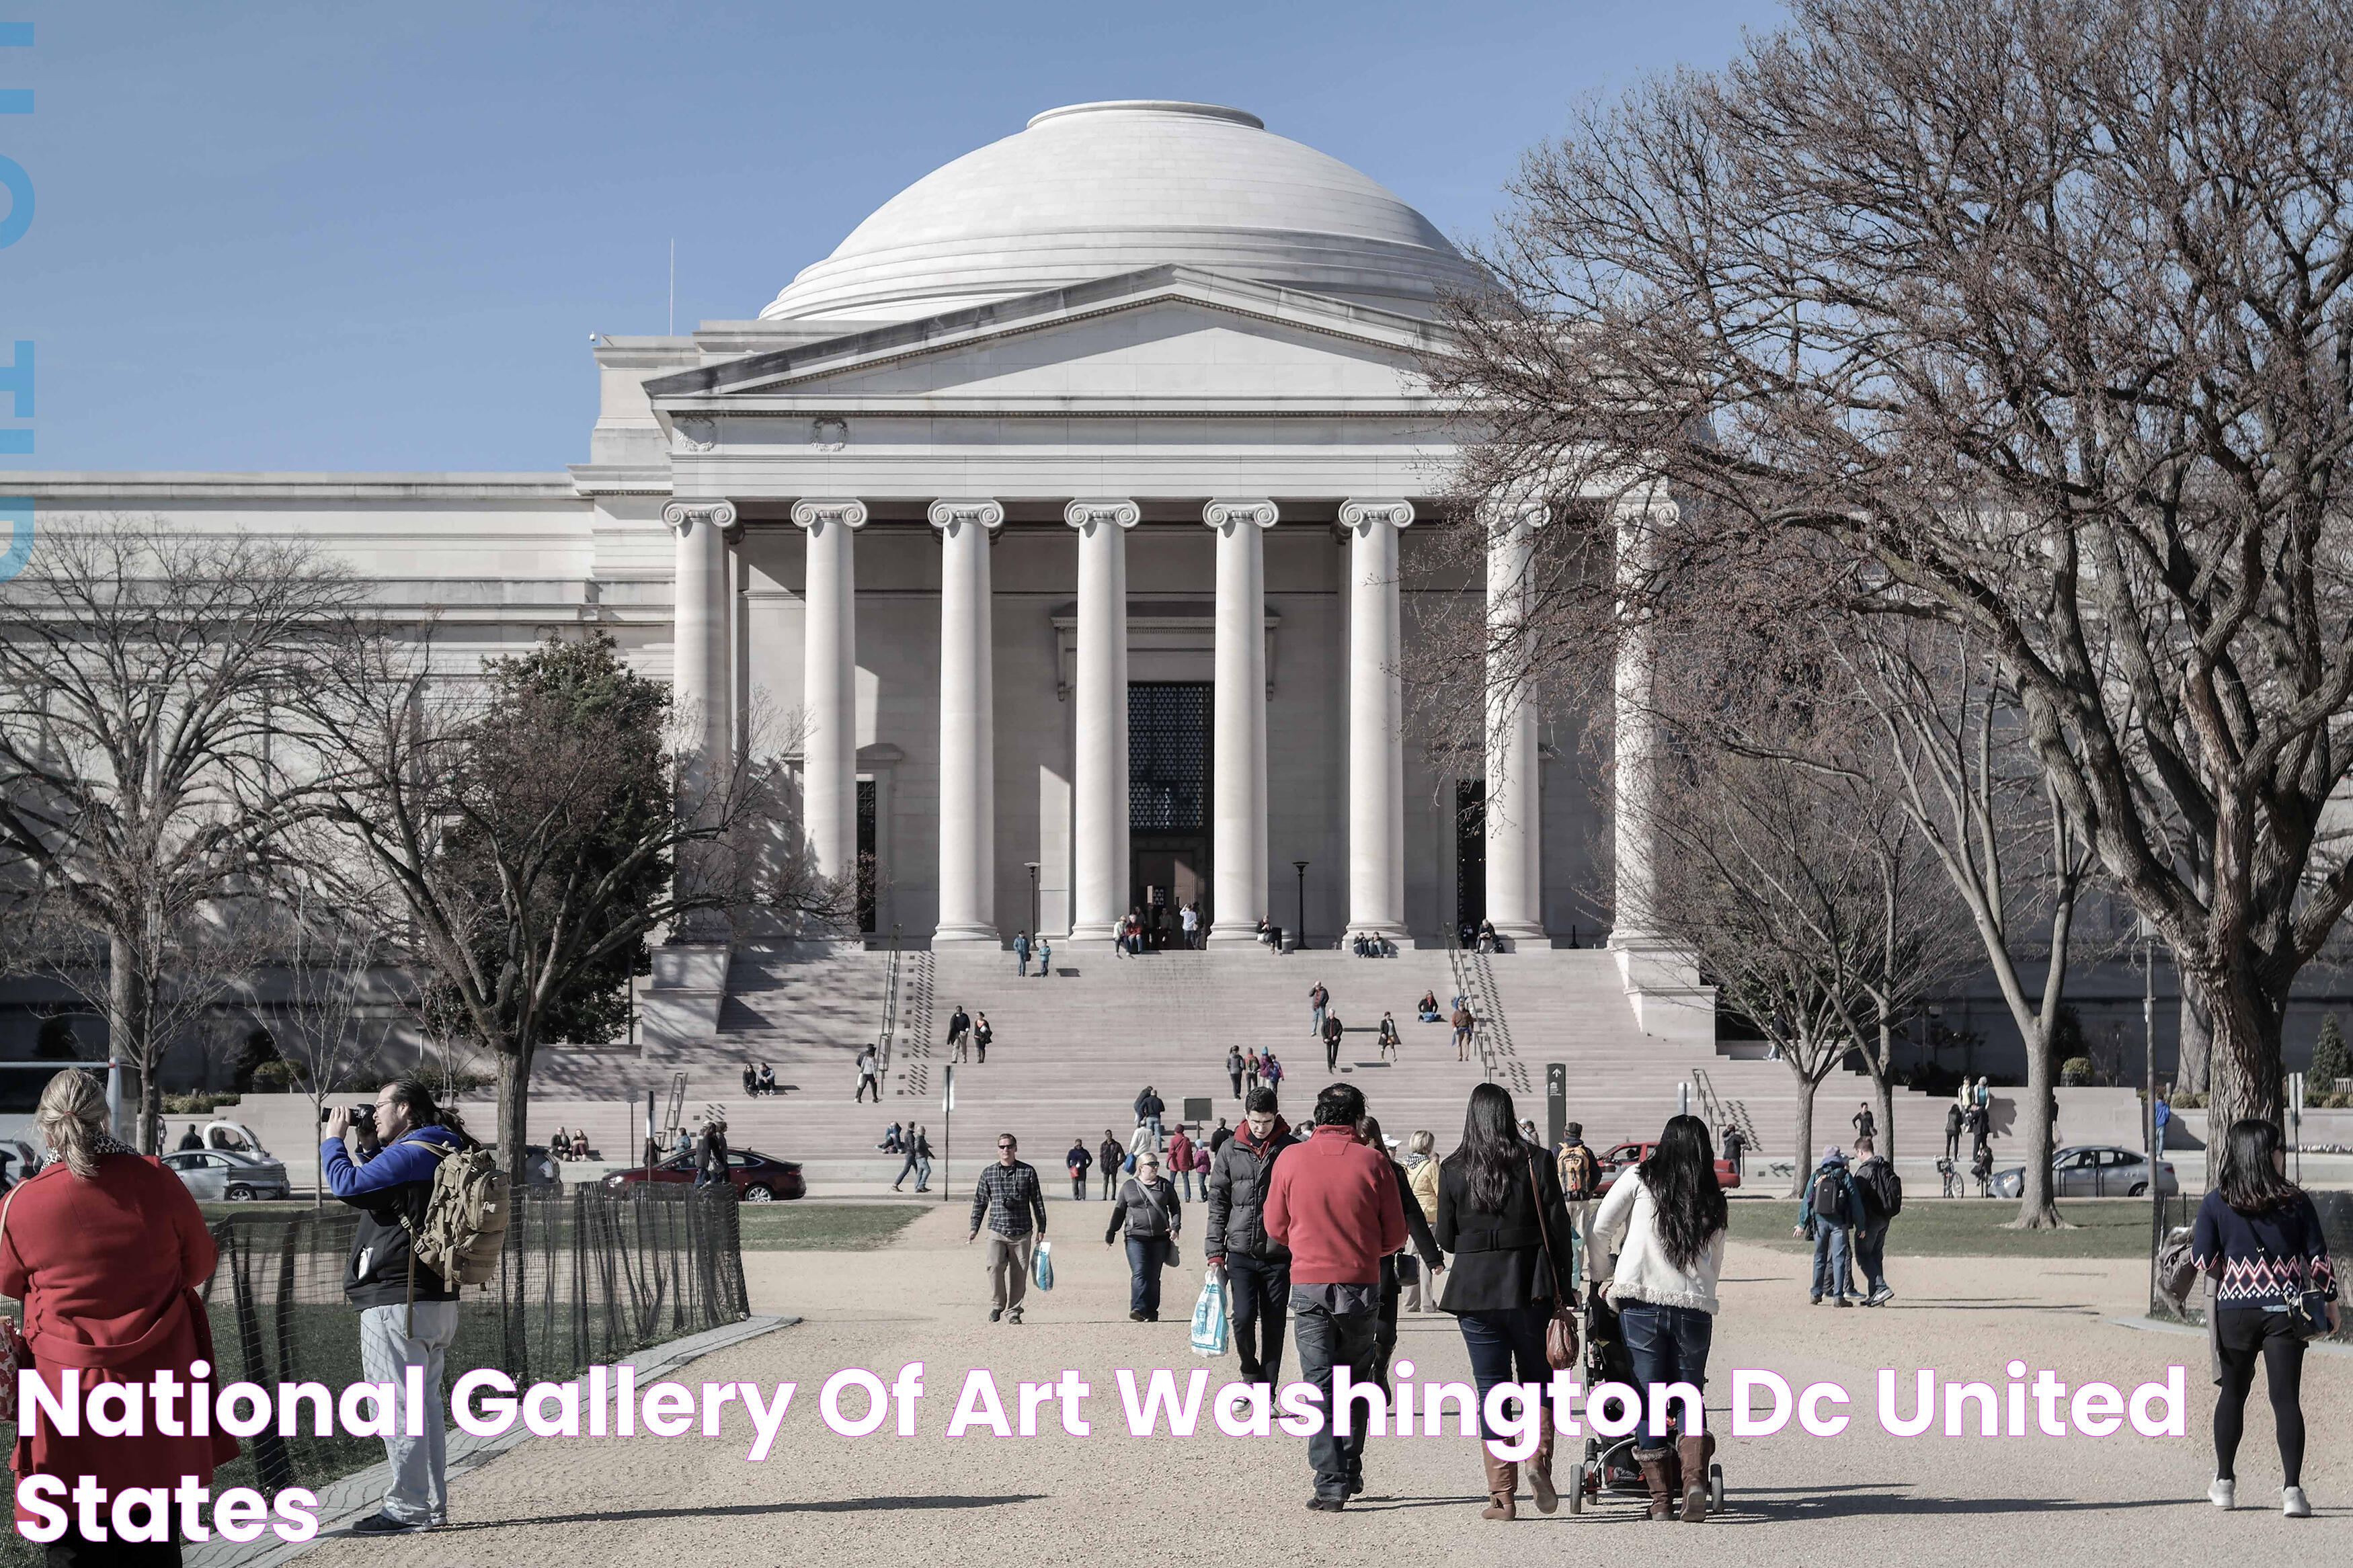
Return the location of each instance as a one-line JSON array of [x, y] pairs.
[[1009, 1196]]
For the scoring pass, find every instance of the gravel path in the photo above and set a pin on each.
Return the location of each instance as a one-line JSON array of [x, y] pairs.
[[1862, 1495]]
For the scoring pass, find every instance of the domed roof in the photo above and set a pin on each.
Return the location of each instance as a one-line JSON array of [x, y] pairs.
[[1098, 189]]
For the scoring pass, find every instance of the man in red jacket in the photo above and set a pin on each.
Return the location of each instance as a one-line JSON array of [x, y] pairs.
[[1334, 1204]]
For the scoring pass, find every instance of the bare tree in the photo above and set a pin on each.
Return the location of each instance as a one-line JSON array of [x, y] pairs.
[[538, 829], [330, 953], [2034, 319], [141, 791]]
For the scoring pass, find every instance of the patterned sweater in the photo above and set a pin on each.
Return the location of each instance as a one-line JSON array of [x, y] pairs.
[[2263, 1262], [1008, 1197]]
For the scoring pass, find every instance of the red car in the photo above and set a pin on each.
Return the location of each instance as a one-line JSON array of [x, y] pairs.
[[756, 1178], [1626, 1156]]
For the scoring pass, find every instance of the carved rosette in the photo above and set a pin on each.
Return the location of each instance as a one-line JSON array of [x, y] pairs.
[[1222, 514], [947, 516], [818, 515], [1087, 514], [1363, 516], [683, 516]]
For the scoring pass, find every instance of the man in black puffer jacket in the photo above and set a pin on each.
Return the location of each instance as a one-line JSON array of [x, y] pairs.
[[1257, 1268]]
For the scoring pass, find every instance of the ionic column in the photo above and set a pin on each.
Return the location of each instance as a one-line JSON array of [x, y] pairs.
[[1634, 756], [1238, 799], [700, 659], [1512, 815], [1375, 721], [1099, 850], [967, 723], [830, 676]]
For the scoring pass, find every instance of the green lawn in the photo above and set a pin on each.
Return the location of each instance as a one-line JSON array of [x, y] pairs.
[[1970, 1228], [825, 1227]]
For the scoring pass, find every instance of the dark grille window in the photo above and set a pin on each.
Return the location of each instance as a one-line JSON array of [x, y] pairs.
[[1169, 756], [1470, 852], [867, 867]]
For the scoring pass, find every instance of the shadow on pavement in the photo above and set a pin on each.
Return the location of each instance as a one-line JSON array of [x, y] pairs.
[[749, 1510]]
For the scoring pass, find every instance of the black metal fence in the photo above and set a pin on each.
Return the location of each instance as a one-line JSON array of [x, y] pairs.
[[589, 1276], [2335, 1210]]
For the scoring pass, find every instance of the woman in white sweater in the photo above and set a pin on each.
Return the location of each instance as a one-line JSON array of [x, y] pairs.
[[1666, 1221]]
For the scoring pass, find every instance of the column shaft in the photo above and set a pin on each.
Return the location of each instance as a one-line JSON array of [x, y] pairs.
[[1375, 721], [830, 677], [967, 723], [1100, 852], [1238, 799], [1514, 814], [700, 658]]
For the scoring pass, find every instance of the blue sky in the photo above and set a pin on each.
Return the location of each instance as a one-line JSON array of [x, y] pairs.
[[328, 236]]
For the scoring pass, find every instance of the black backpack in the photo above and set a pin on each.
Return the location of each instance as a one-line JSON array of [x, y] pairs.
[[1830, 1198], [1882, 1190]]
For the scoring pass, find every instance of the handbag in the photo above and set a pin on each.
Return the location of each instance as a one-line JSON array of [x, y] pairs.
[[1041, 1266], [1209, 1317], [16, 1356], [1560, 1331]]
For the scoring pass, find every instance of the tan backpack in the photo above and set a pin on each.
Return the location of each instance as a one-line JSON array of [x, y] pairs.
[[464, 1228]]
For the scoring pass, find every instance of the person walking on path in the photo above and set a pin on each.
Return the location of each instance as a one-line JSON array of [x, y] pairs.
[[981, 1035], [1388, 1036], [1404, 1266], [1270, 1072], [1318, 1000], [1735, 1145], [1335, 1205], [1865, 1124], [1180, 1162], [2270, 1286], [1008, 1197], [1666, 1221], [1882, 1200], [1828, 1218], [1081, 1160], [1109, 1155], [1333, 1028], [1501, 1216], [923, 1159], [1952, 1120], [1045, 958], [1235, 1067], [1257, 1268], [959, 1032], [710, 1156], [109, 1253], [870, 1075], [1148, 1108], [1580, 1183], [1250, 1072], [1422, 1180], [1189, 917], [1149, 1213], [1462, 1030], [1021, 956], [907, 1168], [1218, 1137]]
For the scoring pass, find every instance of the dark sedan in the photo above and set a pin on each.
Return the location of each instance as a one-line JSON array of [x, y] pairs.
[[756, 1178]]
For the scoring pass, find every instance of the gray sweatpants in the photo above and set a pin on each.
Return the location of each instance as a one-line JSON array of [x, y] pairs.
[[420, 1486]]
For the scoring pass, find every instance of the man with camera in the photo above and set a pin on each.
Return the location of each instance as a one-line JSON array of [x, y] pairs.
[[407, 1313]]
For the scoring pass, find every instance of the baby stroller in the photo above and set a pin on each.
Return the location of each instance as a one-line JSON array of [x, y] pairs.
[[1608, 1464]]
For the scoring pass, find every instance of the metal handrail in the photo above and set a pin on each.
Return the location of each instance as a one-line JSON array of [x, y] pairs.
[[890, 1004]]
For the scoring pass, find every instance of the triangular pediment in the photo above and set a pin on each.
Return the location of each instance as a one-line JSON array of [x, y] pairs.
[[1173, 334]]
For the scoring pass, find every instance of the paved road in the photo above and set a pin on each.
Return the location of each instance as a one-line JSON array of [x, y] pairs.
[[1109, 1497]]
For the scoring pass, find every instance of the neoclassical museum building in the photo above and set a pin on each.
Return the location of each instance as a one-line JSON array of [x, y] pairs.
[[1068, 515]]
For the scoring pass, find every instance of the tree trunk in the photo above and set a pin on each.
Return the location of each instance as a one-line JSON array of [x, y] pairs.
[[2037, 1207], [514, 1110], [2190, 1064], [126, 1020], [1883, 1095], [1805, 1134], [2243, 1069]]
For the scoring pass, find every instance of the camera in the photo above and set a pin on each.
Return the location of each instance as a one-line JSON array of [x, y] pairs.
[[362, 1115]]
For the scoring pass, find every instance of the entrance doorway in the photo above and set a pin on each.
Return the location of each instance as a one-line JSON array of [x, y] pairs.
[[1470, 853], [1168, 802]]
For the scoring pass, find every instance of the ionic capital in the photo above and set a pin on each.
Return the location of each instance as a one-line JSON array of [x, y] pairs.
[[1509, 515], [815, 515], [1363, 516], [683, 517], [1085, 514], [949, 515], [1217, 514]]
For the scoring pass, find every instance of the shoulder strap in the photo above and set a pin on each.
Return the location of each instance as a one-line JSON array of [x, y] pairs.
[[1543, 1233]]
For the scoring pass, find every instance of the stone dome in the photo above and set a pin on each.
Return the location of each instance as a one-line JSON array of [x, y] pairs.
[[1098, 189]]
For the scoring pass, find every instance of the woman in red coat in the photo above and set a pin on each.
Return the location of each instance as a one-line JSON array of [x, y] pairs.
[[107, 1249]]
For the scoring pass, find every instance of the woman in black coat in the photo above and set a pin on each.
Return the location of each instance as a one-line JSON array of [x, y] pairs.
[[1500, 1213]]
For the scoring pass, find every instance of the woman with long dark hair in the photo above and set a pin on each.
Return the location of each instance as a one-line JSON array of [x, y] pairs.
[[1666, 1221], [2271, 1287], [1501, 1215]]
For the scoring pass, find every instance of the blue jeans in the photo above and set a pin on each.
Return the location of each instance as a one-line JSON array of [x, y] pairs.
[[1315, 1022], [1144, 1261], [1870, 1255], [1185, 1183], [1157, 1138], [1831, 1276], [1327, 1339], [1505, 1346], [1021, 965], [1666, 1344]]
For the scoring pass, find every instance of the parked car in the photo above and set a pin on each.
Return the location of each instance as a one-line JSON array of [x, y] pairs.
[[2100, 1170], [221, 1175], [234, 1137], [756, 1178], [1626, 1156]]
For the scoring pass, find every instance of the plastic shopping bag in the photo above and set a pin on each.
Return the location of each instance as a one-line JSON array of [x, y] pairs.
[[1041, 1266], [1209, 1316]]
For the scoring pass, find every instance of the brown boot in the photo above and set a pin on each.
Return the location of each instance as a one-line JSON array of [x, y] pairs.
[[1660, 1474], [1503, 1480], [1692, 1453], [1540, 1471]]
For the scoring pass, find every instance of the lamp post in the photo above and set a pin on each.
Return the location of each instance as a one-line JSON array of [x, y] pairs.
[[1300, 866], [1031, 865]]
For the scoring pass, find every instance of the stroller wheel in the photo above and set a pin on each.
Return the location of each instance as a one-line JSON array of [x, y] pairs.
[[1716, 1489], [1577, 1487]]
